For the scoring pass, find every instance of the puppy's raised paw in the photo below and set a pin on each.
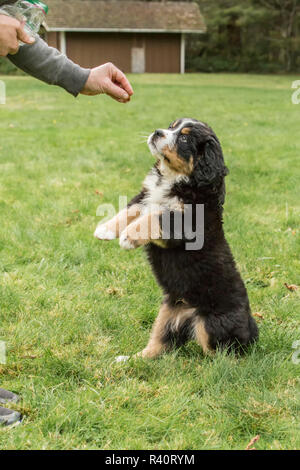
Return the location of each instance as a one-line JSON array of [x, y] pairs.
[[126, 242], [103, 233]]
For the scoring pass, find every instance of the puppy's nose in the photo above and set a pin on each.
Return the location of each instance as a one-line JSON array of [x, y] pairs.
[[158, 133]]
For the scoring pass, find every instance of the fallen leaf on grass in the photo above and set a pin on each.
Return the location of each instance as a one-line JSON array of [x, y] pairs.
[[115, 291], [253, 440], [100, 193], [292, 231], [259, 315], [291, 287]]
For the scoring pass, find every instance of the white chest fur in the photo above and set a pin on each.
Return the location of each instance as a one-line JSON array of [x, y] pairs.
[[158, 191]]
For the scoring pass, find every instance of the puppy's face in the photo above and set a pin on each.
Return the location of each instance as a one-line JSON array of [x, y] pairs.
[[190, 148]]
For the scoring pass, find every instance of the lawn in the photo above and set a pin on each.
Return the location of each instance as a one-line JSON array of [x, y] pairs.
[[70, 304]]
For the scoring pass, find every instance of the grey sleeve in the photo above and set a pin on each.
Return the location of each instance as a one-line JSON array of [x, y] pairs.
[[50, 66]]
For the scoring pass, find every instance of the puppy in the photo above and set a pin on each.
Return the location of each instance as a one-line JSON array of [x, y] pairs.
[[205, 298]]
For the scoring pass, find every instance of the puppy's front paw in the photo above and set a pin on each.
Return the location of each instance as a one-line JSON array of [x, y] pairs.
[[103, 233], [126, 242]]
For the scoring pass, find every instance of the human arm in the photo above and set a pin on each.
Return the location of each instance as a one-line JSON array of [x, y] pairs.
[[45, 63], [49, 65]]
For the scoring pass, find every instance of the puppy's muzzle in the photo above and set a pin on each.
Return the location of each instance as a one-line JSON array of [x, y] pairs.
[[156, 136]]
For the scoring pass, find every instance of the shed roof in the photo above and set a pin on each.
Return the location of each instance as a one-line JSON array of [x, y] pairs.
[[113, 15]]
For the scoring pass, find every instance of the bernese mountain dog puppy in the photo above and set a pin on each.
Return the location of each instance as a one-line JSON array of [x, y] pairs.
[[205, 298]]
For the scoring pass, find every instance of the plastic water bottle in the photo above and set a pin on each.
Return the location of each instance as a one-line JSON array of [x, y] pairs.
[[31, 13]]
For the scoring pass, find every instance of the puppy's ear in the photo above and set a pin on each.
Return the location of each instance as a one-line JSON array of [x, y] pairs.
[[210, 168]]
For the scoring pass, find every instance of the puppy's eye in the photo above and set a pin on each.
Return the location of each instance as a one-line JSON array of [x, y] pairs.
[[183, 138]]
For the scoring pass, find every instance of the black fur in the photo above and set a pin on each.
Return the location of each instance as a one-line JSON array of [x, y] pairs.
[[180, 337]]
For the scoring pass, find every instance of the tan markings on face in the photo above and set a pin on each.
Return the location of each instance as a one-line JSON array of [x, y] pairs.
[[176, 163], [175, 124], [186, 130]]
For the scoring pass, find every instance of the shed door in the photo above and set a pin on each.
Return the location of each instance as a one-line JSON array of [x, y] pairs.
[[138, 61]]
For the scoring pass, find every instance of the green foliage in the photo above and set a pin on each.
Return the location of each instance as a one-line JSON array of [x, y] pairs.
[[70, 304], [248, 35], [7, 68], [242, 36]]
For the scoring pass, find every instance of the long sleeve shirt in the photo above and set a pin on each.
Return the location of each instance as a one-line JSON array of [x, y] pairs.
[[49, 65]]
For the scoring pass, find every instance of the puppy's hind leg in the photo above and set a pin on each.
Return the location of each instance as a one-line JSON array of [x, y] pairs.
[[157, 344], [173, 327], [201, 336]]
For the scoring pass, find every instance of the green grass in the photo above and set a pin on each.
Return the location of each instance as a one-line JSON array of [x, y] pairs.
[[70, 304]]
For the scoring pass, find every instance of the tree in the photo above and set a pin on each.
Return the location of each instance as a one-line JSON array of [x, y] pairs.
[[247, 35], [286, 22]]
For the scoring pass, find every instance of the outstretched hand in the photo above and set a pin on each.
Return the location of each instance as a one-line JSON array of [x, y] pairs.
[[11, 32], [110, 80]]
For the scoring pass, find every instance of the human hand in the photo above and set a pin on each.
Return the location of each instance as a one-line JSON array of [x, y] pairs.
[[110, 80], [11, 32]]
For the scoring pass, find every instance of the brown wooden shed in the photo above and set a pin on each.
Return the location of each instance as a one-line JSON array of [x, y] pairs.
[[137, 36]]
